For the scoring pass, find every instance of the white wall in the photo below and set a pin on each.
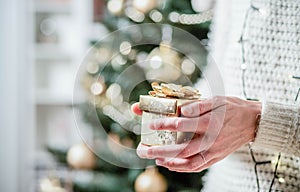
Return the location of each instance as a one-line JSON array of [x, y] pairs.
[[15, 108]]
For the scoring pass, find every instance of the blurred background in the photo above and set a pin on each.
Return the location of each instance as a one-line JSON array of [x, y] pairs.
[[43, 43]]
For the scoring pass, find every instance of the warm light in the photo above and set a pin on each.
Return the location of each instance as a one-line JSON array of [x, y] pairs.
[[92, 68], [115, 6], [113, 91], [102, 55], [48, 26], [243, 66], [200, 6], [281, 180], [264, 12], [276, 162], [141, 58], [291, 77], [144, 5], [117, 61], [125, 48], [117, 101], [45, 184], [187, 67], [174, 17], [156, 16], [97, 88], [132, 54], [156, 62], [134, 14]]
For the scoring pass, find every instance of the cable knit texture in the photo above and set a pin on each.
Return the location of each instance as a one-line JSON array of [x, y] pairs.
[[272, 54]]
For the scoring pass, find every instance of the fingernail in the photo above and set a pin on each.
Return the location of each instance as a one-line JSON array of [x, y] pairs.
[[191, 109], [187, 110], [159, 161], [142, 153]]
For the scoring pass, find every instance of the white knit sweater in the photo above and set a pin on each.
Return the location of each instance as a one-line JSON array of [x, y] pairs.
[[272, 51]]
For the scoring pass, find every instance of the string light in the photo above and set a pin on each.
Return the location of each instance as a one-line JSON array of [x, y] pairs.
[[156, 16], [137, 9], [242, 41], [192, 19], [298, 92], [97, 88], [296, 77], [264, 12], [102, 54], [174, 17], [155, 62], [92, 67], [187, 66], [48, 27], [243, 66], [113, 91], [134, 14], [125, 48], [281, 180], [185, 19], [118, 61]]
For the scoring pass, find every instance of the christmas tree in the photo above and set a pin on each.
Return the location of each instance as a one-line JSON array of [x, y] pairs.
[[150, 40]]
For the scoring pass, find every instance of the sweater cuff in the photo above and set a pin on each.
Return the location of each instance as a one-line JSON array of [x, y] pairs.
[[275, 127]]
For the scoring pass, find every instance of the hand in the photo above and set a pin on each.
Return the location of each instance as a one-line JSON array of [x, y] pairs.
[[221, 126]]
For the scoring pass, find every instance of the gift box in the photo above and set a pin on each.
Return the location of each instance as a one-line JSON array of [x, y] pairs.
[[165, 101]]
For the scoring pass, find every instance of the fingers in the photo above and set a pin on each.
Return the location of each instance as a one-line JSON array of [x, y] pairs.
[[151, 152], [183, 150], [198, 108], [136, 109], [195, 163], [197, 169], [142, 151], [183, 124]]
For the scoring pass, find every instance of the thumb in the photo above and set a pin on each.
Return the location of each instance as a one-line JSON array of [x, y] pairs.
[[198, 108]]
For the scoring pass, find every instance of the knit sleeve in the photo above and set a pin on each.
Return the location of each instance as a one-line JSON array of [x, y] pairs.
[[279, 128]]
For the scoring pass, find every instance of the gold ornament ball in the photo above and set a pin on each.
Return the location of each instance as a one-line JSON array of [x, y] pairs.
[[80, 156], [200, 6], [164, 63], [151, 180], [115, 7], [50, 185], [144, 6]]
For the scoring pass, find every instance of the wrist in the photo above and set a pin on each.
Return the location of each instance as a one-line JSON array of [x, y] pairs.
[[256, 109], [257, 113]]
